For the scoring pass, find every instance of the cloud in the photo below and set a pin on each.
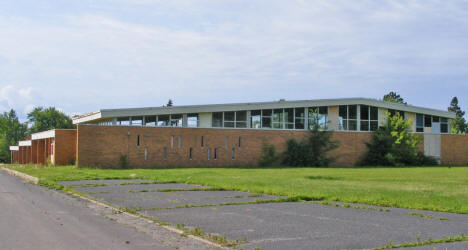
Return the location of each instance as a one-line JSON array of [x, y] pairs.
[[124, 53], [23, 100]]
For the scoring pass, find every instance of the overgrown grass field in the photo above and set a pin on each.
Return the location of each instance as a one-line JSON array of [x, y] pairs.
[[429, 188]]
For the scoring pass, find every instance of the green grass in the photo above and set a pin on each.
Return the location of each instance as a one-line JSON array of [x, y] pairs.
[[429, 188]]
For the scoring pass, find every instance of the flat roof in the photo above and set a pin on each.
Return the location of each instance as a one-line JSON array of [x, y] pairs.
[[146, 111]]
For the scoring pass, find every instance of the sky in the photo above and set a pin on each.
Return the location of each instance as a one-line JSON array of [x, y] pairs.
[[82, 56]]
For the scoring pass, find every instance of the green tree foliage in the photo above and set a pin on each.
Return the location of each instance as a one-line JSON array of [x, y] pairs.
[[457, 125], [11, 131], [312, 151], [394, 145], [393, 97], [269, 156], [46, 119], [170, 103]]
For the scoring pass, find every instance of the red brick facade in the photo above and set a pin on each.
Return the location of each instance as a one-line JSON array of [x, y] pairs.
[[454, 149], [102, 146], [60, 150]]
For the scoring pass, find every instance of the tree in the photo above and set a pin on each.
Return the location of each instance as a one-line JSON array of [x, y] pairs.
[[46, 119], [393, 97], [169, 103], [312, 151], [11, 131], [455, 108], [457, 125], [394, 145]]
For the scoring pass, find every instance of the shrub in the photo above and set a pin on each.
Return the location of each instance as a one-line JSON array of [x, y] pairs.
[[394, 145], [269, 156], [123, 161], [311, 151]]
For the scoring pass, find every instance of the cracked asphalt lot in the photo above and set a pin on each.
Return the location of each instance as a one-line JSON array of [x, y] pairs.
[[278, 225], [33, 217]]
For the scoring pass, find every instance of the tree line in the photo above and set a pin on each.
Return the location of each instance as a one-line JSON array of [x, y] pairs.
[[12, 130]]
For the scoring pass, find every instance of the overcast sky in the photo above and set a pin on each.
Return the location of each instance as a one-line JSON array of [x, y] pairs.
[[82, 56]]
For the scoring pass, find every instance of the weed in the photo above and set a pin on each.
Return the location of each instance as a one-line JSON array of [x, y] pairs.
[[197, 232], [424, 216], [181, 226], [429, 241]]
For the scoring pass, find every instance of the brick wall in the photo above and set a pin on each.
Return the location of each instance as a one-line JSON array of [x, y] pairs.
[[102, 146], [454, 149], [65, 146]]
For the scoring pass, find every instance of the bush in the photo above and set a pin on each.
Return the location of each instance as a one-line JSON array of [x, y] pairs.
[[394, 145], [123, 162], [269, 156], [311, 151]]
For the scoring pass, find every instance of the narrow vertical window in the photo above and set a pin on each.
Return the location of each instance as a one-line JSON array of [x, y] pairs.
[[215, 157], [190, 153], [172, 141], [227, 142], [202, 141], [239, 143], [138, 140], [180, 142], [146, 154], [165, 153], [233, 154], [208, 152]]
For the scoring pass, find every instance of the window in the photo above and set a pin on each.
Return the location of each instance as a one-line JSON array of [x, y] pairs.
[[192, 120], [289, 118], [138, 140], [233, 154], [163, 120], [277, 118], [150, 120], [229, 118], [217, 120], [172, 141], [369, 118], [348, 117], [266, 118], [215, 156], [123, 121], [227, 142], [239, 142], [427, 121], [137, 120], [146, 154], [190, 153], [419, 123], [208, 152], [444, 125], [165, 153], [241, 119], [318, 115], [202, 141], [299, 114], [179, 145], [255, 119], [176, 120]]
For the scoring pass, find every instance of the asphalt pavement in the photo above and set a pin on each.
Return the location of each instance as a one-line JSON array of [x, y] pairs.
[[33, 217]]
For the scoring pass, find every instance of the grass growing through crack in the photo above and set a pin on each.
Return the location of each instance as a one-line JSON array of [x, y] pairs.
[[221, 240], [429, 241], [430, 188], [425, 216], [329, 203]]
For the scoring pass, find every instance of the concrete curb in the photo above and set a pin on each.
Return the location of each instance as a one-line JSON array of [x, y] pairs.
[[35, 180], [23, 176]]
